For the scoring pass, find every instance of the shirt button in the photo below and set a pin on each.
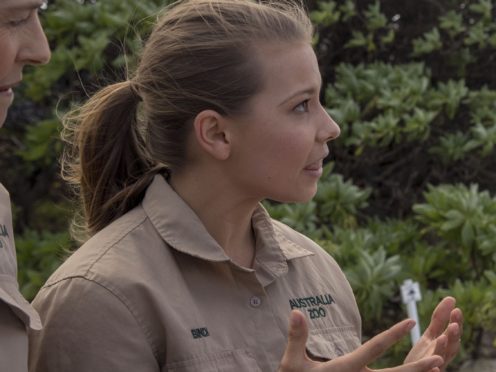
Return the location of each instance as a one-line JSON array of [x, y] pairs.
[[255, 301]]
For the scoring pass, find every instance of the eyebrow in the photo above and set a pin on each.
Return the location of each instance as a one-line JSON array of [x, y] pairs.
[[306, 91]]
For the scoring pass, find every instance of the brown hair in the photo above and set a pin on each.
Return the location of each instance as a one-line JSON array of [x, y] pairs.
[[200, 55]]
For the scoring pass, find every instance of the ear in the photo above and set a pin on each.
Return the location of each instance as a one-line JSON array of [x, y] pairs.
[[211, 134]]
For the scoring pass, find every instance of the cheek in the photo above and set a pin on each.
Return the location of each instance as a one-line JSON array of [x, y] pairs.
[[295, 145], [7, 53], [284, 156]]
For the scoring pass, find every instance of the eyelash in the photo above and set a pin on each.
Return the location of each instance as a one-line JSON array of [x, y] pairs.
[[19, 22], [303, 104]]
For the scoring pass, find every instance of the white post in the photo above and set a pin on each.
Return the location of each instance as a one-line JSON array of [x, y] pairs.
[[410, 294]]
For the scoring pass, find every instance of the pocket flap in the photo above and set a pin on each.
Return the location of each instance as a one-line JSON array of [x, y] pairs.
[[330, 343], [225, 361]]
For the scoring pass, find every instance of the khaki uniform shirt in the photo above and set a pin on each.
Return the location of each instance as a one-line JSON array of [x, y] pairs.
[[153, 291], [16, 314]]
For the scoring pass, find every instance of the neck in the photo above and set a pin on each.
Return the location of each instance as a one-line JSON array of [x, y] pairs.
[[225, 214]]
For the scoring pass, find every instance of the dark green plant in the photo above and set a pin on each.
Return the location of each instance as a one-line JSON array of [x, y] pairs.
[[465, 220], [38, 255]]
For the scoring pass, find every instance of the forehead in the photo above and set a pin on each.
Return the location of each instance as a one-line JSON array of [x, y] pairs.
[[289, 66]]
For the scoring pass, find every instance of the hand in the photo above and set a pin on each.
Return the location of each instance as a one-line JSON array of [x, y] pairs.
[[443, 335], [295, 358]]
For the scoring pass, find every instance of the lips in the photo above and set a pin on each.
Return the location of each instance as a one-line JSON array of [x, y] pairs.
[[314, 166], [6, 88], [317, 164]]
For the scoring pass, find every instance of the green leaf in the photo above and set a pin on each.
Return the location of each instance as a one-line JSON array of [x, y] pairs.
[[327, 14], [452, 22], [375, 19], [430, 42]]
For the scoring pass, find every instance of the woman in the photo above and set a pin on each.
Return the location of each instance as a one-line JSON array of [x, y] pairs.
[[22, 42], [185, 271]]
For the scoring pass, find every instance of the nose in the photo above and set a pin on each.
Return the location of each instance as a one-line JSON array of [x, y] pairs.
[[34, 49], [330, 129]]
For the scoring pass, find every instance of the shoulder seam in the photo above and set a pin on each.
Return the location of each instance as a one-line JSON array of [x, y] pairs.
[[114, 243]]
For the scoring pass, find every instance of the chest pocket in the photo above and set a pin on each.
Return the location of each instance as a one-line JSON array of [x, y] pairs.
[[330, 343], [238, 360]]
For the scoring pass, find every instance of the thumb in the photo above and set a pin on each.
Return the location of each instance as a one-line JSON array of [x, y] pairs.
[[295, 355]]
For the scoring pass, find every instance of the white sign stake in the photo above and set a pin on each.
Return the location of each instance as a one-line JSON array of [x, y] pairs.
[[410, 294]]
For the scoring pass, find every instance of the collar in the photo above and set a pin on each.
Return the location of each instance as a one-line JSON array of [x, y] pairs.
[[180, 228], [178, 224]]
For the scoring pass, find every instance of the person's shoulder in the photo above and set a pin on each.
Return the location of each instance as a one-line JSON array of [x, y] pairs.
[[111, 240]]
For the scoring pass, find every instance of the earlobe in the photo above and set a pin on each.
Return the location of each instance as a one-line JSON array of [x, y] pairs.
[[211, 134]]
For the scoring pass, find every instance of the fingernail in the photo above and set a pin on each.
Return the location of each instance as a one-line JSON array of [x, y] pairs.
[[295, 319], [409, 324]]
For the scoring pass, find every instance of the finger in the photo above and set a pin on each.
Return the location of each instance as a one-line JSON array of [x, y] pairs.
[[427, 364], [295, 354], [453, 332], [376, 346], [456, 316], [440, 317], [453, 335], [440, 346]]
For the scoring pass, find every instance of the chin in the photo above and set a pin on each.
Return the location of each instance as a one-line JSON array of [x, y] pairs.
[[302, 197]]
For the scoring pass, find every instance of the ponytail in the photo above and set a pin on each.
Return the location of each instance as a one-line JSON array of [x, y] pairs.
[[105, 158]]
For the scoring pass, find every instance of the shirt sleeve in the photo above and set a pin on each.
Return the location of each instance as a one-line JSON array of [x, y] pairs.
[[87, 328]]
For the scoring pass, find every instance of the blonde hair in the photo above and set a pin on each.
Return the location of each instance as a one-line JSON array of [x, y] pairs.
[[200, 55]]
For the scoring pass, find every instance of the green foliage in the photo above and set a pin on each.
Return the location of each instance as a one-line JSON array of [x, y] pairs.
[[465, 219], [379, 104], [430, 42], [464, 32], [373, 273], [375, 33], [327, 14], [87, 35], [338, 201], [452, 23], [41, 143], [373, 281], [38, 255]]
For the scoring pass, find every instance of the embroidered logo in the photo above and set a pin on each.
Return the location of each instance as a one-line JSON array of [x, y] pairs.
[[314, 305], [200, 332], [3, 233]]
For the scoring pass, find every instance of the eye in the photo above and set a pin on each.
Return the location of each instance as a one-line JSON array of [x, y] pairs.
[[302, 107], [20, 20]]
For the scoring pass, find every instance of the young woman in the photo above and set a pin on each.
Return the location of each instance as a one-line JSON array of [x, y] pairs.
[[22, 42], [184, 270]]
